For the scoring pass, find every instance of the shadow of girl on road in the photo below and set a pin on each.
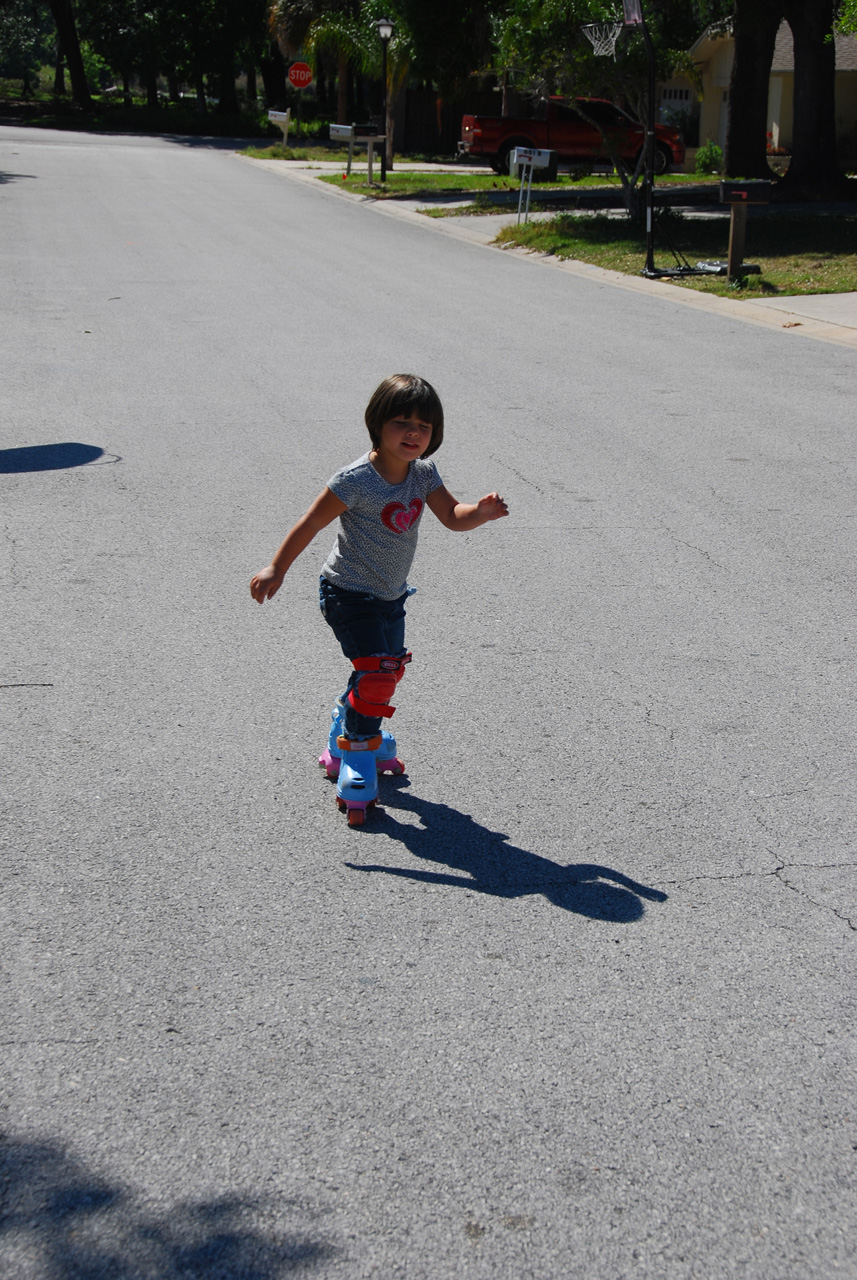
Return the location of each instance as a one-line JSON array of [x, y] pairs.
[[493, 866]]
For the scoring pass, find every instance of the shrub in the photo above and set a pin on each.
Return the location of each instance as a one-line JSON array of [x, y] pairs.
[[709, 158]]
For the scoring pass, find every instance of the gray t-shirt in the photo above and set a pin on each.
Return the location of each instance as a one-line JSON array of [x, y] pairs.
[[377, 535]]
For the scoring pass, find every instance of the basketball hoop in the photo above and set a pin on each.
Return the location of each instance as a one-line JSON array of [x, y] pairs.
[[603, 36]]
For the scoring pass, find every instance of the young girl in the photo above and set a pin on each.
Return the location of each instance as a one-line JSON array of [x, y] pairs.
[[379, 500]]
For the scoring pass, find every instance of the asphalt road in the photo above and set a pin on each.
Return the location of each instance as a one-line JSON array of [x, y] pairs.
[[580, 1002]]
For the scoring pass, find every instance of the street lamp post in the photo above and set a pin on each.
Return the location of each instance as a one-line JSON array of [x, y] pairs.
[[385, 31]]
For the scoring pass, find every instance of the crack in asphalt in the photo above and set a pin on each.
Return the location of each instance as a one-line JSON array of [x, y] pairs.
[[777, 874], [825, 866], [706, 555], [9, 538]]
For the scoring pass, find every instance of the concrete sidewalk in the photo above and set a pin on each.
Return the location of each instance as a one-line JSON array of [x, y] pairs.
[[828, 317]]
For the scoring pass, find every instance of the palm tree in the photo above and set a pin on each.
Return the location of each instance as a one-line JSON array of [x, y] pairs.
[[347, 31]]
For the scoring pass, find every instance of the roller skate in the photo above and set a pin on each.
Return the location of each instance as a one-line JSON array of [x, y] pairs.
[[357, 782], [386, 759], [331, 756]]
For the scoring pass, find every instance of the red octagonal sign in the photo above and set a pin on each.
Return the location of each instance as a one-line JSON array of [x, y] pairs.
[[300, 75]]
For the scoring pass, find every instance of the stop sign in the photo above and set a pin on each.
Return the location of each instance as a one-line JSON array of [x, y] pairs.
[[300, 75]]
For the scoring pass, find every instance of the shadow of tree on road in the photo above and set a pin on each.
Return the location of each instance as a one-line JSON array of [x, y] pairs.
[[6, 175], [493, 866], [59, 1221], [52, 457]]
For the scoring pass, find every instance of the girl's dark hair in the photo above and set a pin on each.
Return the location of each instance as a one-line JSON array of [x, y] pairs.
[[400, 396]]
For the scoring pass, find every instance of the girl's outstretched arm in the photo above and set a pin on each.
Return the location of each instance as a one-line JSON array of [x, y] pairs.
[[267, 582], [461, 516]]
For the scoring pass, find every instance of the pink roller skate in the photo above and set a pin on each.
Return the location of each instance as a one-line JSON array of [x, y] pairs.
[[386, 759]]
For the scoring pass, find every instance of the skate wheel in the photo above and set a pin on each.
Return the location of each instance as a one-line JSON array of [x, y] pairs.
[[398, 768], [341, 805], [356, 817]]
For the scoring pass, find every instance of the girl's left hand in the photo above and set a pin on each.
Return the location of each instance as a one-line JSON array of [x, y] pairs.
[[492, 507]]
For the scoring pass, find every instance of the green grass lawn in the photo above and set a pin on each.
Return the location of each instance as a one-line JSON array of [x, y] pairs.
[[415, 185], [797, 253], [308, 151]]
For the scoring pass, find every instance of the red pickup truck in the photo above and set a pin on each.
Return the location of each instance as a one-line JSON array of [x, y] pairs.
[[558, 126]]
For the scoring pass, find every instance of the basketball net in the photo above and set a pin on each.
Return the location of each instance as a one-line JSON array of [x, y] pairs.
[[603, 36]]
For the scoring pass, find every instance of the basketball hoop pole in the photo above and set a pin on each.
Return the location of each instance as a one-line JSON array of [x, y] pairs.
[[634, 17]]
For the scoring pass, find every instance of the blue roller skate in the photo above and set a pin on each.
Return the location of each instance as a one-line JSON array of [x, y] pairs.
[[357, 783], [386, 759]]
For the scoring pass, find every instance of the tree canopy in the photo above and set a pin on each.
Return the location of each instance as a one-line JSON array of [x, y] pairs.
[[535, 45]]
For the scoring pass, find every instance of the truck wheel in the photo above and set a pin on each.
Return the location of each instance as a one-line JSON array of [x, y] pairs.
[[501, 160], [663, 158]]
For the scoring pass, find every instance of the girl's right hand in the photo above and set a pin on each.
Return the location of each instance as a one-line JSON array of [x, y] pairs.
[[265, 584]]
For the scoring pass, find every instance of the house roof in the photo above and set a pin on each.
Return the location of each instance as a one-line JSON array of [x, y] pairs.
[[784, 53]]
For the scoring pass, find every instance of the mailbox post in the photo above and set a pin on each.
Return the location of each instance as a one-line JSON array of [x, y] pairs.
[[357, 135], [739, 195], [527, 159], [282, 120]]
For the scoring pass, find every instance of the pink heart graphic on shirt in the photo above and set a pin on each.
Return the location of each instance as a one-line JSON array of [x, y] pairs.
[[399, 518]]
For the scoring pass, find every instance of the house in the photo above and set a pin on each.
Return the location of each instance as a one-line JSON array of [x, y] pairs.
[[706, 120]]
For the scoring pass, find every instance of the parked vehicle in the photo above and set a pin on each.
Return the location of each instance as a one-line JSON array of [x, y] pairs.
[[558, 126]]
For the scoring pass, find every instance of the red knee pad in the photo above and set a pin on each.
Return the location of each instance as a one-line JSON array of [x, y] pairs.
[[377, 682]]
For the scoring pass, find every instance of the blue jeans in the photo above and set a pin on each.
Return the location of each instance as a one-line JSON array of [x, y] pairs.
[[364, 625]]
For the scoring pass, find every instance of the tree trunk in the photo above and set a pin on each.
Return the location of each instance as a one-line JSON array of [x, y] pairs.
[[813, 167], [755, 27], [342, 90], [63, 15], [252, 91], [199, 89], [227, 103], [273, 72], [150, 80], [59, 71]]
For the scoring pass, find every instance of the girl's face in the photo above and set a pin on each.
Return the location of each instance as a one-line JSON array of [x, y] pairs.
[[405, 438]]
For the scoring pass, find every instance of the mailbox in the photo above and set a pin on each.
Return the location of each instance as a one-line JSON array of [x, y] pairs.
[[739, 196], [529, 156], [363, 135], [745, 192], [282, 120], [526, 159]]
